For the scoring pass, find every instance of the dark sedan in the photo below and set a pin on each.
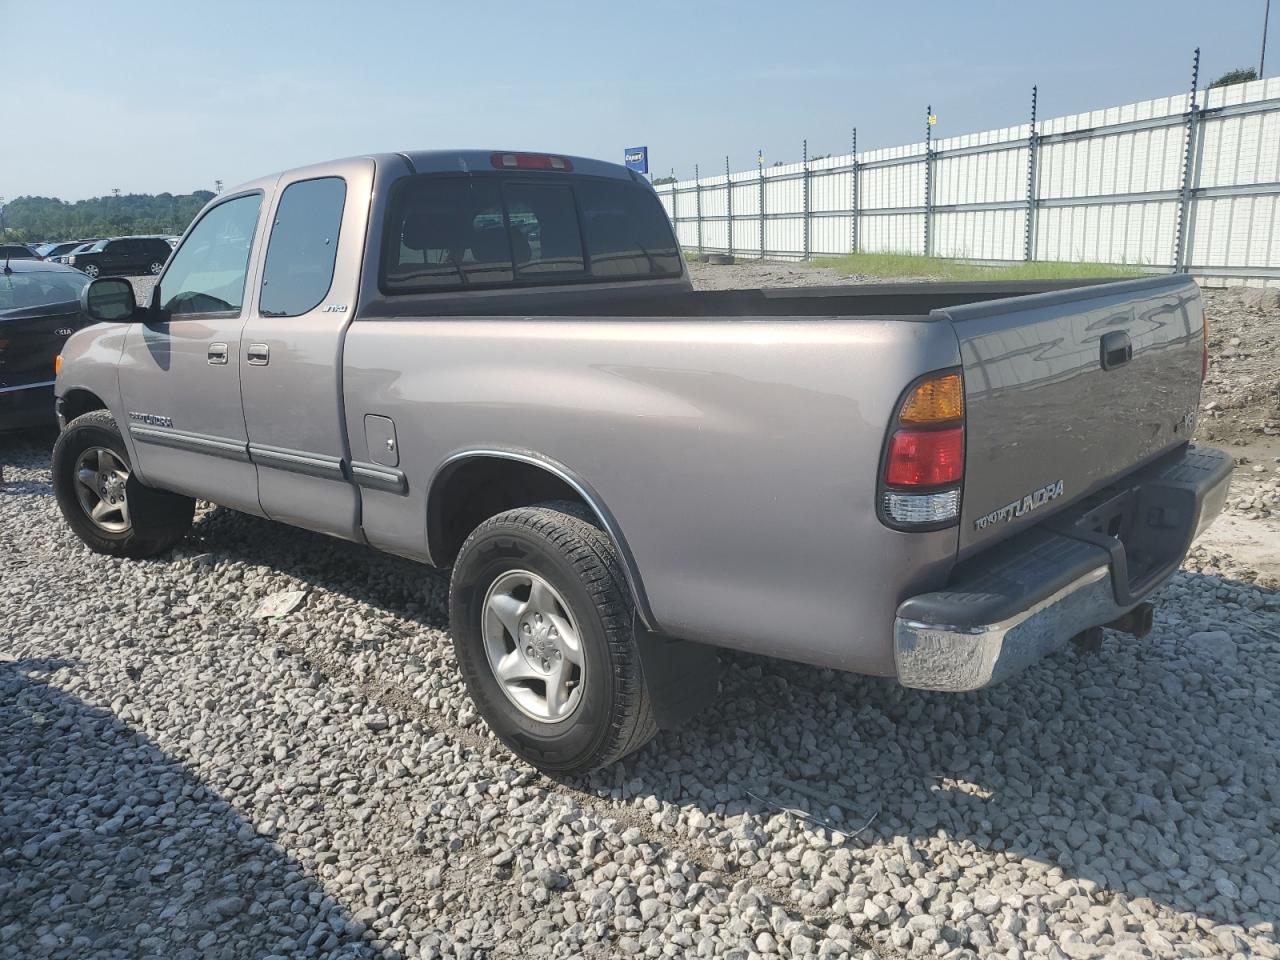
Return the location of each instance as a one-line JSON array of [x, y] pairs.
[[39, 309], [16, 251], [55, 251]]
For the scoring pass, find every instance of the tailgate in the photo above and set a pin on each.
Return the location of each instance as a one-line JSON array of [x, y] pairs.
[[1055, 411]]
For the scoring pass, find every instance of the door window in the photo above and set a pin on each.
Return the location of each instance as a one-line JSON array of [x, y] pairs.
[[303, 247], [207, 273]]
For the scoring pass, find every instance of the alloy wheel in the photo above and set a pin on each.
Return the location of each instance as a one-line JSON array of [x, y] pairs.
[[101, 477], [533, 645]]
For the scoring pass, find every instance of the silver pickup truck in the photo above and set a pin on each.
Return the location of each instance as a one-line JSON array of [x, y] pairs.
[[495, 362]]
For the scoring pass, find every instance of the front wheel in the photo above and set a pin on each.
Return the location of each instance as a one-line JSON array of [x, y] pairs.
[[156, 267], [103, 502], [542, 626]]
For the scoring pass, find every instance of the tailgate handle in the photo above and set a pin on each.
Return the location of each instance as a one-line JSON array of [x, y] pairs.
[[1117, 349]]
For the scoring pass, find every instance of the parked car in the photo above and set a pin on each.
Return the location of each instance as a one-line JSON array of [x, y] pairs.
[[16, 251], [56, 251], [80, 247], [940, 483], [129, 256], [39, 309]]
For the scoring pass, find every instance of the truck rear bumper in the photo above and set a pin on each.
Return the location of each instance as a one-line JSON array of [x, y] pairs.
[[1026, 597]]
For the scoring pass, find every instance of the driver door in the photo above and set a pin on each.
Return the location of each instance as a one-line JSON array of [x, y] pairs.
[[180, 371]]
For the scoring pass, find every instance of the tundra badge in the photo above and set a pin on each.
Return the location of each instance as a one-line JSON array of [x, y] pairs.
[[152, 419], [1018, 508]]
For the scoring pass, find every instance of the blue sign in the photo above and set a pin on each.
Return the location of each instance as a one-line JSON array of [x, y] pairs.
[[637, 159]]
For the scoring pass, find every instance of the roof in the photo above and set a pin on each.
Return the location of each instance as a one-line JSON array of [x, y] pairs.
[[442, 161], [466, 161]]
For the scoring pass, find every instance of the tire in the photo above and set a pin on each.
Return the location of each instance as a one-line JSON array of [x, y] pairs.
[[91, 271], [612, 714], [135, 521], [156, 267]]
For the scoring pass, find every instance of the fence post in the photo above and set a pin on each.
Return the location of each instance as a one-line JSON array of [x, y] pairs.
[[1033, 150], [1184, 202], [928, 179], [697, 198], [853, 194], [805, 164], [728, 204], [760, 170]]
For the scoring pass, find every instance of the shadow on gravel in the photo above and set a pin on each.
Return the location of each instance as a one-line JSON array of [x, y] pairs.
[[1140, 772], [110, 848], [1144, 771], [25, 449], [390, 583]]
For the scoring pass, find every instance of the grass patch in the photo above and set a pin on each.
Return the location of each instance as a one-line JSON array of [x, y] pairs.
[[916, 265]]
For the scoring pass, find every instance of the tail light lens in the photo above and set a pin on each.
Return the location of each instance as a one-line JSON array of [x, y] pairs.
[[924, 458], [1204, 351]]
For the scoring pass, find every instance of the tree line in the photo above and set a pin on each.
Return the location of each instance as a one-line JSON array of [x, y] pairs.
[[48, 218]]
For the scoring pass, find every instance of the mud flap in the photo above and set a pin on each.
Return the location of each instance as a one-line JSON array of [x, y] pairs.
[[682, 676]]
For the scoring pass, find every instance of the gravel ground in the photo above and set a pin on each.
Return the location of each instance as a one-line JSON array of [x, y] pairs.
[[179, 779]]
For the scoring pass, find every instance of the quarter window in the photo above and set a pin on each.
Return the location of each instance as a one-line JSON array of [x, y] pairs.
[[303, 247], [207, 273]]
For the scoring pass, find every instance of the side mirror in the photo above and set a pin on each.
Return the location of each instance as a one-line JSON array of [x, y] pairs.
[[109, 299]]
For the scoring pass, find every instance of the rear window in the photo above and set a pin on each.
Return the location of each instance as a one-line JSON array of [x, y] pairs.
[[450, 233], [40, 288]]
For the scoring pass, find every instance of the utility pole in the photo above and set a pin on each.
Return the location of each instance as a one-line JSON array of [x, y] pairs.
[[217, 185], [1262, 57], [115, 191]]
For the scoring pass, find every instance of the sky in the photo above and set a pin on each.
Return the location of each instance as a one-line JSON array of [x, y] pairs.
[[151, 97]]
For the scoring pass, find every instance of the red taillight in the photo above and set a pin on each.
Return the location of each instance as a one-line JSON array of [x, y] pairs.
[[530, 161], [925, 458], [1204, 351]]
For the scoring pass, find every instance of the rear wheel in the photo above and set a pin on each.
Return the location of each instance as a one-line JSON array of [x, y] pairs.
[[101, 499], [156, 267], [542, 625], [91, 271]]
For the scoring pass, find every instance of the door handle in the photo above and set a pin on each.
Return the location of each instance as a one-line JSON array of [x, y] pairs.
[[259, 354], [1117, 349], [218, 353]]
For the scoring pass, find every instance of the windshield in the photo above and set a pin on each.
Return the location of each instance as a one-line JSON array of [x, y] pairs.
[[39, 288]]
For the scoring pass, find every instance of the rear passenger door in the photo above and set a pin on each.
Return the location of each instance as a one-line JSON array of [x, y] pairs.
[[154, 256], [291, 348], [118, 257]]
